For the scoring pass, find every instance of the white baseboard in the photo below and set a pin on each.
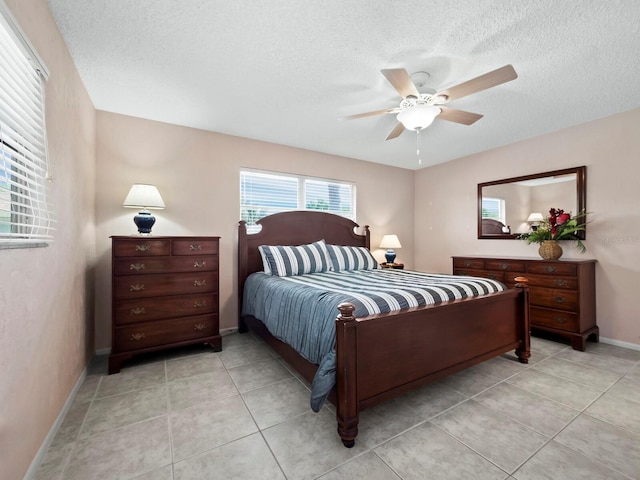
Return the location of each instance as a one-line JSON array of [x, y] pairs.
[[618, 343], [228, 331], [103, 351], [42, 452]]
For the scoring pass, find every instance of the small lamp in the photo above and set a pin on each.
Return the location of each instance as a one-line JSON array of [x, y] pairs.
[[145, 197], [390, 242], [534, 220]]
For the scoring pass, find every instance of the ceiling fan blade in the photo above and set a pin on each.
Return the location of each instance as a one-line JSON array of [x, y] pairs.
[[399, 78], [458, 116], [483, 82], [399, 128], [370, 114]]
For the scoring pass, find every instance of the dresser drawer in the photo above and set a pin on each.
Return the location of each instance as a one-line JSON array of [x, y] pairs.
[[145, 309], [504, 266], [137, 247], [552, 268], [555, 319], [164, 332], [570, 283], [194, 246], [133, 265], [138, 286], [468, 263], [498, 276], [554, 298]]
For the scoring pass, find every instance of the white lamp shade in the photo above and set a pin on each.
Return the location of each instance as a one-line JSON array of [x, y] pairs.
[[390, 241], [535, 217], [144, 196], [418, 116]]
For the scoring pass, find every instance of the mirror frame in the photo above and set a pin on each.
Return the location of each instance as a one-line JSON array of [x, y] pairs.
[[581, 197]]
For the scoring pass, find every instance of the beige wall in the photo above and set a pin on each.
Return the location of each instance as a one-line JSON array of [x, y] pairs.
[[197, 173], [46, 294], [445, 206]]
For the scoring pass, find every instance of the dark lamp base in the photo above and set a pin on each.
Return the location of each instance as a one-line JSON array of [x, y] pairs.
[[390, 256], [144, 221]]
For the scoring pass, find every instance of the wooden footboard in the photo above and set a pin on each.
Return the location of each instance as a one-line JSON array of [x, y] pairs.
[[382, 356]]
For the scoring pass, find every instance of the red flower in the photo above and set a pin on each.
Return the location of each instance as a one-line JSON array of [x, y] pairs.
[[563, 218]]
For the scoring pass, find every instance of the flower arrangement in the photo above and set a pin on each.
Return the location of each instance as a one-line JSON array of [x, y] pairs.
[[559, 225]]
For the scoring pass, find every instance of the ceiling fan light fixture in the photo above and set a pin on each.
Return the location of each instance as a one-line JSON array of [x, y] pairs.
[[418, 117]]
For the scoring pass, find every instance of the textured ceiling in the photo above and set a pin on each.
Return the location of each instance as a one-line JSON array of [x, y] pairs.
[[283, 71]]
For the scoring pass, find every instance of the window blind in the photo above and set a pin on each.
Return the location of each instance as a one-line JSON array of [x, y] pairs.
[[266, 193], [493, 208], [25, 216]]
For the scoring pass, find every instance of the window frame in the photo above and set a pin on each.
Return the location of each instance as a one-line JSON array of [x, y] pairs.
[[302, 189], [26, 219]]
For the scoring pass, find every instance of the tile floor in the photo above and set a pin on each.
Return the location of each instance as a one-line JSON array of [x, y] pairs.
[[242, 414]]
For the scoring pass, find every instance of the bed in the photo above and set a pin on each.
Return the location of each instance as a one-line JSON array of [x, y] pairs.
[[380, 356]]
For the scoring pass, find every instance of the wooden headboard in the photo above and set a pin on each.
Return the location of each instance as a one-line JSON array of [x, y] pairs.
[[293, 228]]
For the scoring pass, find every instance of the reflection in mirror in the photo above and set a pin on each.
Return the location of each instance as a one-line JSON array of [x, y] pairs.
[[510, 207]]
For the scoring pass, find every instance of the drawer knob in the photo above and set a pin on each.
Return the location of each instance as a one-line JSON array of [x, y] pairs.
[[136, 337], [560, 299], [136, 266], [195, 248], [560, 282], [200, 304], [200, 326], [199, 264], [560, 320], [199, 283], [504, 266], [143, 248], [138, 287], [549, 269], [467, 264], [492, 276], [138, 311]]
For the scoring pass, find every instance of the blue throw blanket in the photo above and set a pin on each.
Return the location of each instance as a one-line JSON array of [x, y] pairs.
[[301, 310]]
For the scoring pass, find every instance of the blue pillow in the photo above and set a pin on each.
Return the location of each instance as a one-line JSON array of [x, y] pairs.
[[351, 258], [286, 261]]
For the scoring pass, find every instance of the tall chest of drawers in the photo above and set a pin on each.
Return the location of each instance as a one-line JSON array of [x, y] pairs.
[[164, 294], [562, 293]]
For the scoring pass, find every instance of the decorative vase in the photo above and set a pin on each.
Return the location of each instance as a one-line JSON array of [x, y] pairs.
[[550, 250]]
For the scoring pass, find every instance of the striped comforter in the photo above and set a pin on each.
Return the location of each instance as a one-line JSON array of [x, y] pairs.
[[301, 310]]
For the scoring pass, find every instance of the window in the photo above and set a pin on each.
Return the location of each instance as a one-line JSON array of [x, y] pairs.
[[25, 217], [493, 208], [265, 193]]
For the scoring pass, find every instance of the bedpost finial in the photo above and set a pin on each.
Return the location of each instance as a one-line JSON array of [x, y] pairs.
[[521, 282], [346, 312]]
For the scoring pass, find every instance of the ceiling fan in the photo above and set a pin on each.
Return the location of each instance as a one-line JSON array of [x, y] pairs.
[[418, 110]]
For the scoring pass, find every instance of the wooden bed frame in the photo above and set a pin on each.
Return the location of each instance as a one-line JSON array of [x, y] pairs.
[[382, 356]]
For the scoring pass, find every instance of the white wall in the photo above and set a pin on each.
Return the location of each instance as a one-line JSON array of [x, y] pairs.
[[197, 173], [445, 207]]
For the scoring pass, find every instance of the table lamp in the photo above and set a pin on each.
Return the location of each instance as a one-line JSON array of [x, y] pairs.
[[390, 242], [145, 197]]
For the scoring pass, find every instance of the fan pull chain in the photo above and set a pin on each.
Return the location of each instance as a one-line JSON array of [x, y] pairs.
[[418, 147]]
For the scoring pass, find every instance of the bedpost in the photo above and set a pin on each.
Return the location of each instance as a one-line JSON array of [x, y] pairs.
[[367, 235], [524, 351], [346, 375], [243, 261]]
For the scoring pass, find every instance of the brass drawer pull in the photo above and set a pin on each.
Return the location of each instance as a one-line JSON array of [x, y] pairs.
[[504, 266], [195, 248], [467, 264], [199, 264], [136, 337], [199, 283], [200, 326], [138, 287], [549, 269], [200, 304], [492, 276], [560, 282], [143, 248], [560, 320], [138, 311], [136, 266], [560, 299]]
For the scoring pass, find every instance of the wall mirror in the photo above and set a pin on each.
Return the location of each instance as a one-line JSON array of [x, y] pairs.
[[510, 207]]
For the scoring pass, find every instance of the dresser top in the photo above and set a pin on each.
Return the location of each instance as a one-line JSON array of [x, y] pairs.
[[527, 259], [159, 237]]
